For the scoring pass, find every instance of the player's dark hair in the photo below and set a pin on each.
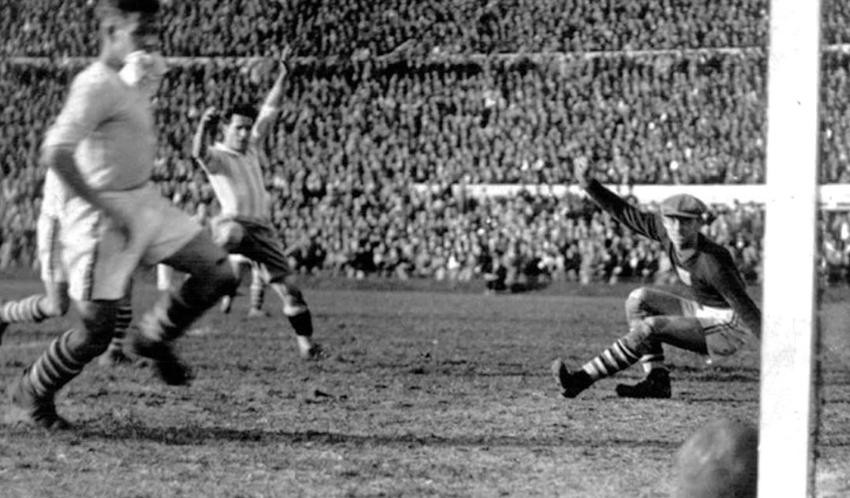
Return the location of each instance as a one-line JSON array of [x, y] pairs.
[[246, 110], [106, 8]]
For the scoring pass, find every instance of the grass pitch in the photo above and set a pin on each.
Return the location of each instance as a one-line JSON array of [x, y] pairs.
[[426, 392]]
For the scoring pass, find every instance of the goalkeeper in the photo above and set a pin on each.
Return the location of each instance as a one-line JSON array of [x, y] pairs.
[[717, 321]]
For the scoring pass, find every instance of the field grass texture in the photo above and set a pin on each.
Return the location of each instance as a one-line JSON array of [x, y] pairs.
[[427, 391]]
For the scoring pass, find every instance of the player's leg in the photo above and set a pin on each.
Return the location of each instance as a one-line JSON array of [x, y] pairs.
[[210, 277], [684, 332], [54, 302], [37, 307], [647, 333], [262, 245], [642, 339], [645, 302], [114, 354], [33, 395], [240, 265], [99, 267], [257, 292], [295, 309]]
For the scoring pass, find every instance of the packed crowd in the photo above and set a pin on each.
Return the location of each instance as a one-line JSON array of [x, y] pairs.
[[378, 28], [368, 114], [362, 28]]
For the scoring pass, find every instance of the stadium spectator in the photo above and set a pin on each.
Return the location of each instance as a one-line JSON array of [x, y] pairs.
[[436, 93]]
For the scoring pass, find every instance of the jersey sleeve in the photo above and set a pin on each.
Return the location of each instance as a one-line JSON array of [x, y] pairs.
[[91, 101], [643, 223], [728, 282]]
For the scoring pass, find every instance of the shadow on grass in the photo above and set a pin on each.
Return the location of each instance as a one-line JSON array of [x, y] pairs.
[[187, 436]]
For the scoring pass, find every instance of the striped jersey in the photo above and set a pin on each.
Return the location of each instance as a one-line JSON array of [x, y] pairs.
[[237, 178], [109, 126], [709, 270]]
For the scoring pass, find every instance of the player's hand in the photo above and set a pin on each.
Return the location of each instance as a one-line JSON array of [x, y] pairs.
[[285, 55], [210, 117], [581, 171]]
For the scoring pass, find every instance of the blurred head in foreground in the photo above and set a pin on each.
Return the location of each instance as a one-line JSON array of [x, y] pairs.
[[719, 460]]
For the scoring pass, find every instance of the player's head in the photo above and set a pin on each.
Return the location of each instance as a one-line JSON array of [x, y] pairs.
[[127, 26], [238, 121], [682, 216]]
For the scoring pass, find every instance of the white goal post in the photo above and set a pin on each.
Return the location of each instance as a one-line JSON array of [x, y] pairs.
[[789, 301]]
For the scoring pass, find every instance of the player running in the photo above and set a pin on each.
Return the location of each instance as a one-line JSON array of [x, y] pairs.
[[244, 225], [54, 302], [102, 147], [719, 319]]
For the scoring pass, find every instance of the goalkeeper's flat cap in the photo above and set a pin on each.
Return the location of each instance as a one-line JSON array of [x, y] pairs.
[[684, 206]]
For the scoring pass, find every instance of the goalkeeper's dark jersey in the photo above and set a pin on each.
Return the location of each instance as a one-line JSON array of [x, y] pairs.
[[708, 270]]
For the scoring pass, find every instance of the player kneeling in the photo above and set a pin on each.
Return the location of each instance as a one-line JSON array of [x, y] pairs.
[[717, 322]]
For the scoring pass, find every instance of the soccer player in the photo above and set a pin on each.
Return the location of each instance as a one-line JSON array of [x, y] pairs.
[[244, 224], [719, 319], [54, 302], [102, 147]]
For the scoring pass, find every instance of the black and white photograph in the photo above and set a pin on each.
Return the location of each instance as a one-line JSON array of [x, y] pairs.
[[425, 248]]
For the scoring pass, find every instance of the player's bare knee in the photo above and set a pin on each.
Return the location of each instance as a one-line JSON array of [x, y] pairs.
[[653, 326], [640, 337], [642, 330]]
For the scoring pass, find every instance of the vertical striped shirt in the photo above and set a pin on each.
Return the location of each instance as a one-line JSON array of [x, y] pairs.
[[237, 178], [109, 126]]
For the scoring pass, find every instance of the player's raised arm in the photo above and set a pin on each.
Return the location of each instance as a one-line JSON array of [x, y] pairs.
[[203, 135], [268, 112], [646, 224]]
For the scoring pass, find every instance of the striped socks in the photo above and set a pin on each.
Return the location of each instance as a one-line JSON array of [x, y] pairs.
[[258, 293], [123, 318], [53, 369], [614, 359], [24, 310], [652, 361]]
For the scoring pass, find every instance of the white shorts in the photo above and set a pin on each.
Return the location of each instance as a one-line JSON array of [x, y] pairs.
[[98, 259], [724, 331], [49, 248]]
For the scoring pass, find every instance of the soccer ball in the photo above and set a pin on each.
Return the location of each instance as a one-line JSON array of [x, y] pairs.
[[719, 460]]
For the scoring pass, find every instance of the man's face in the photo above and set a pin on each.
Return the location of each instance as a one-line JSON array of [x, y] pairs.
[[681, 231], [134, 31], [237, 132]]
